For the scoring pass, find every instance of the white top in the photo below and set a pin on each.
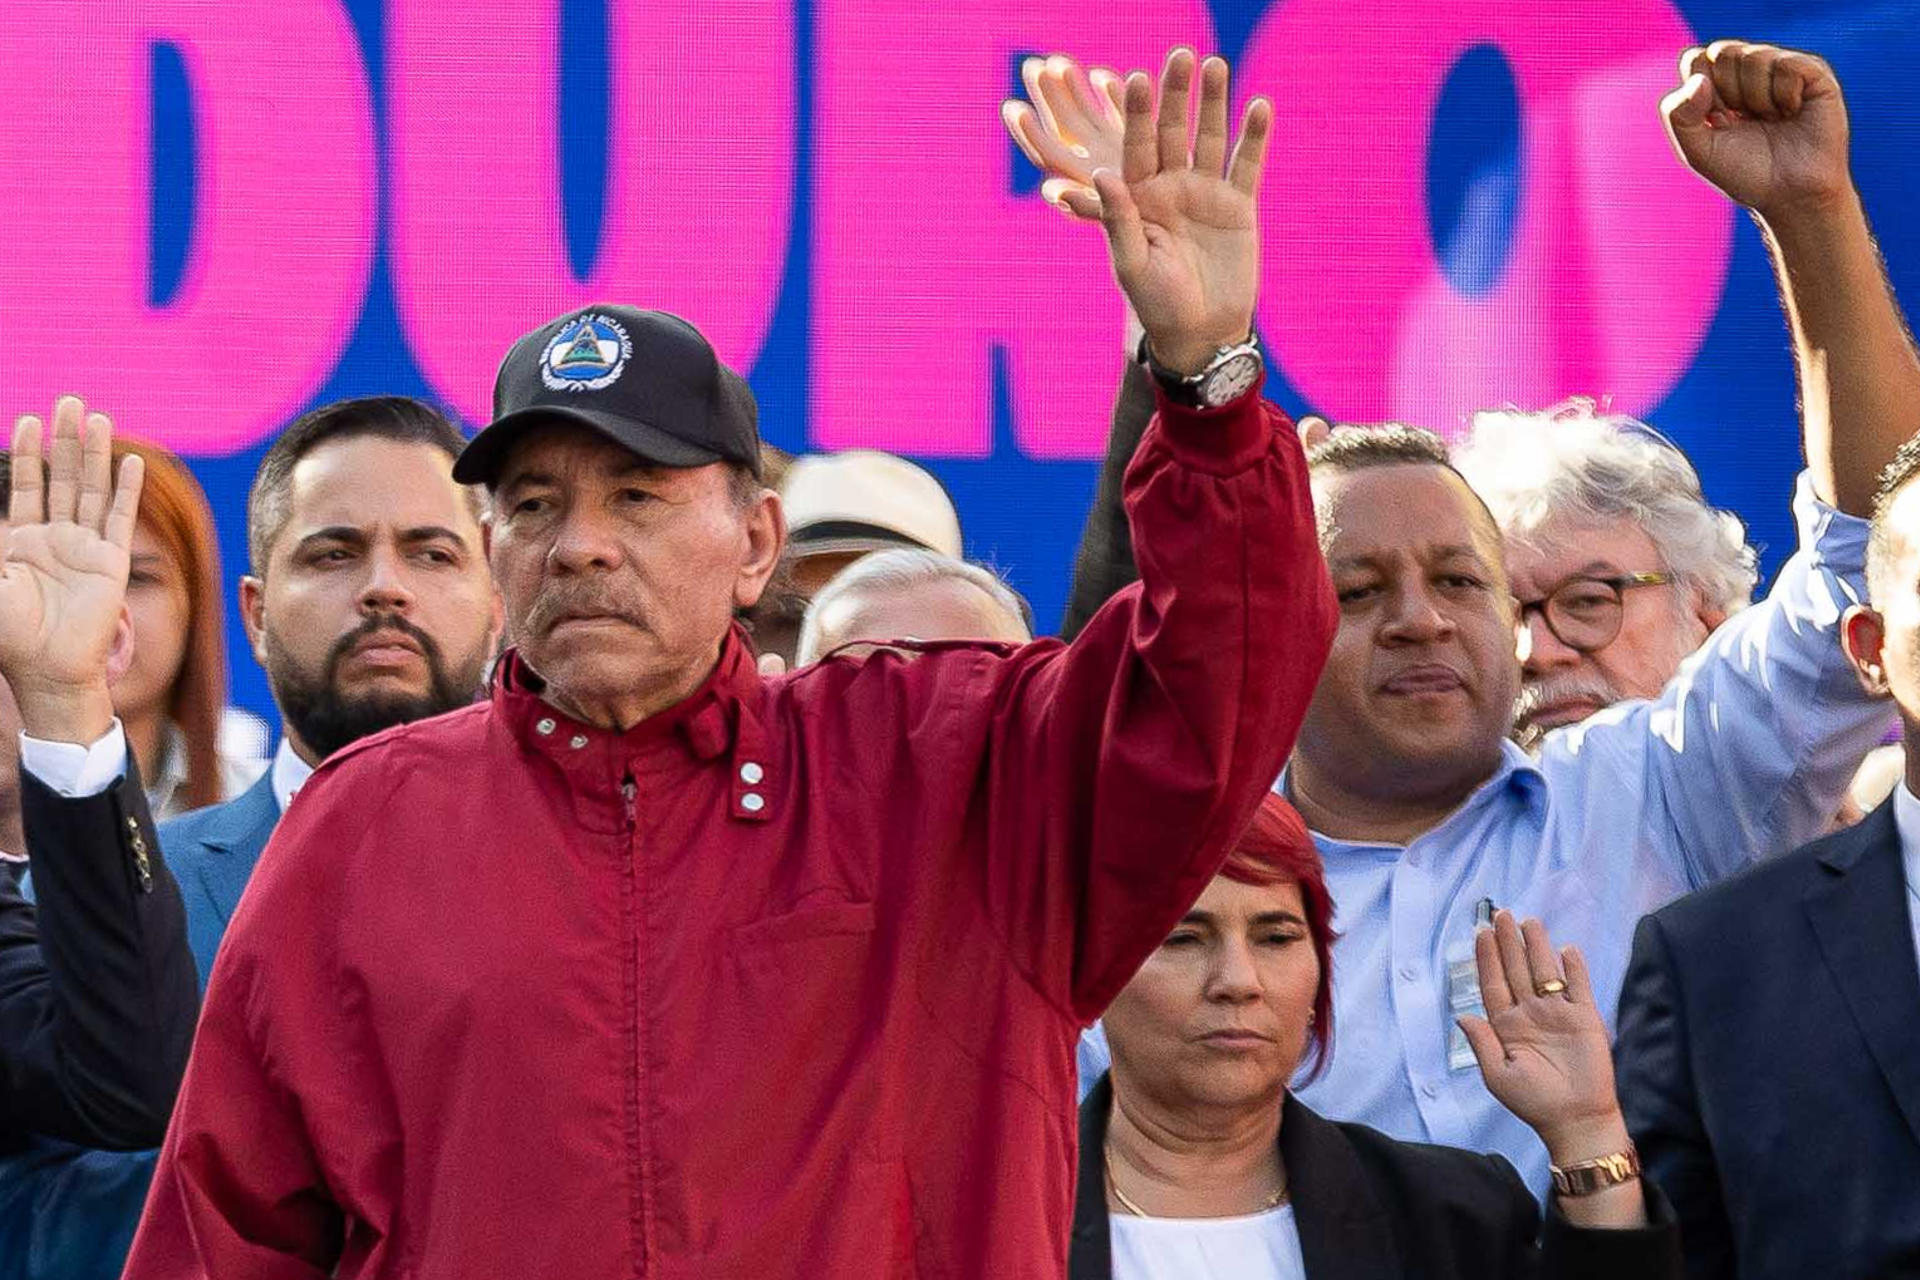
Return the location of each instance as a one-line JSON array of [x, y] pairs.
[[1906, 820], [241, 751], [1263, 1246], [290, 773]]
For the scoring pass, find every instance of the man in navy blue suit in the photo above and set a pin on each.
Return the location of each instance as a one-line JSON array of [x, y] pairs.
[[369, 604], [1769, 1043]]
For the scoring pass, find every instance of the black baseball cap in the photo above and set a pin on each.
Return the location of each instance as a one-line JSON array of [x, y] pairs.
[[644, 379]]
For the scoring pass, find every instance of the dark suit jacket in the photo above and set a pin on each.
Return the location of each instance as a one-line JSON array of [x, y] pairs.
[[1769, 1063], [1104, 562], [97, 991], [69, 1213], [1369, 1207]]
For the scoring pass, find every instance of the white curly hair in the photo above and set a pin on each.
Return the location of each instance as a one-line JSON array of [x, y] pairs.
[[1576, 463]]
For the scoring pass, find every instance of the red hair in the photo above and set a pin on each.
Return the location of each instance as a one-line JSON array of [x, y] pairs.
[[173, 508], [1277, 849]]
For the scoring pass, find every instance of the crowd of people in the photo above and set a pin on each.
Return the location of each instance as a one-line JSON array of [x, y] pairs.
[[679, 860]]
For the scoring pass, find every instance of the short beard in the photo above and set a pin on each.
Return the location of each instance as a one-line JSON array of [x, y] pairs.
[[327, 717]]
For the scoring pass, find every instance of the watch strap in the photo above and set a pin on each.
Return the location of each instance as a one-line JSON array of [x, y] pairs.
[[1591, 1176], [1189, 388]]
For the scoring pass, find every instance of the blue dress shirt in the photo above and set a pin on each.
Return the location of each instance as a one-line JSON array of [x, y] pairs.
[[1743, 756]]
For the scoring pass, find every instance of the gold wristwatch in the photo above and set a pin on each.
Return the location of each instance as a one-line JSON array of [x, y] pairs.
[[1589, 1176]]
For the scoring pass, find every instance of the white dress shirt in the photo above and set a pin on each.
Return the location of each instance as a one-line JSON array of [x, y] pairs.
[[290, 773], [74, 771]]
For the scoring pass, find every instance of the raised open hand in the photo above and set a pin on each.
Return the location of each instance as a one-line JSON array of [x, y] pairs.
[[1764, 124], [63, 581], [1074, 126], [1180, 218], [1542, 1047]]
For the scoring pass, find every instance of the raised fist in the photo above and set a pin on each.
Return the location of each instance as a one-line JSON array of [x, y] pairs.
[[1764, 124]]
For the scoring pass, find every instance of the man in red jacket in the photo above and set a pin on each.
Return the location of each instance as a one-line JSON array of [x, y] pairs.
[[651, 967]]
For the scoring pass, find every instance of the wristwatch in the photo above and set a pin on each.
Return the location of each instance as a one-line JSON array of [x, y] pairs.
[[1590, 1176], [1225, 378]]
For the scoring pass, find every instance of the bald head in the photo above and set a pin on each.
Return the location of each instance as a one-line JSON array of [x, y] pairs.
[[911, 595]]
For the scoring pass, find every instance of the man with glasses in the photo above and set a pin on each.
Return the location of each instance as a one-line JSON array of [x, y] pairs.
[[1620, 567]]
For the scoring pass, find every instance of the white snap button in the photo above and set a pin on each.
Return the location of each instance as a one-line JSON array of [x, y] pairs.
[[1430, 1089], [753, 802], [751, 773], [545, 726], [578, 741]]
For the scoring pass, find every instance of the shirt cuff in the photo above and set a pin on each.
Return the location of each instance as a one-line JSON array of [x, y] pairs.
[[72, 770], [1840, 538]]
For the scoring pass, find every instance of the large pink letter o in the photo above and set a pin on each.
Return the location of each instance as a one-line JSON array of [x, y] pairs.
[[1619, 254]]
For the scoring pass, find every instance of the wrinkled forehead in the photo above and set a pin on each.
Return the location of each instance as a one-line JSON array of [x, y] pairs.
[[558, 450], [929, 609], [1559, 548], [1403, 510]]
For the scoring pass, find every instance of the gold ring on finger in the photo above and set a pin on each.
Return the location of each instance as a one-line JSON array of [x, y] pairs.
[[1551, 987]]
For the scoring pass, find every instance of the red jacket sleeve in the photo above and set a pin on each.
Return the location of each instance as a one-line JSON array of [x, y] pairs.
[[1122, 768], [279, 1128]]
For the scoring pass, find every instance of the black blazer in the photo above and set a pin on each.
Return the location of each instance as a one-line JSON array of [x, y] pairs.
[[1369, 1207], [98, 994], [1769, 1063]]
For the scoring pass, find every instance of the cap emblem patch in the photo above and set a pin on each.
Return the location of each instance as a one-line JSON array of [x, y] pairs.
[[586, 355]]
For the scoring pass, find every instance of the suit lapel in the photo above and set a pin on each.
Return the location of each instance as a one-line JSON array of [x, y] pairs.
[[1090, 1250], [233, 845], [1859, 915], [1344, 1233]]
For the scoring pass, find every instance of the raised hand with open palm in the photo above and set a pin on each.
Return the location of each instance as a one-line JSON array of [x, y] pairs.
[[63, 578], [1180, 216], [1543, 1052]]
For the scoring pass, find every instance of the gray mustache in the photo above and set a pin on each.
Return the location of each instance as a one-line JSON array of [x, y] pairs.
[[1560, 687], [554, 605]]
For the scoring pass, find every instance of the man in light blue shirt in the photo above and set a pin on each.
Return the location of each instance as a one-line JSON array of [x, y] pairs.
[[1428, 817]]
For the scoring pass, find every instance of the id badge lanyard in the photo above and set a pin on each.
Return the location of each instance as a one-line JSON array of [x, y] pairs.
[[1463, 992]]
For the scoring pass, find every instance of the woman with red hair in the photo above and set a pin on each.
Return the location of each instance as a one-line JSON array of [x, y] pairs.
[[192, 749], [1196, 1163]]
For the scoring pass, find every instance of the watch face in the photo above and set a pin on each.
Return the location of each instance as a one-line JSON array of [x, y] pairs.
[[1230, 380]]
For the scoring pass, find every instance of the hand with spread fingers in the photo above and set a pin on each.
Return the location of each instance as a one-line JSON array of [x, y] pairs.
[[63, 580], [1073, 126], [1764, 124], [1180, 215], [1544, 1054]]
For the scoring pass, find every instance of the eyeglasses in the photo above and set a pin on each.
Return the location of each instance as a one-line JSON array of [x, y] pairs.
[[1584, 613]]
